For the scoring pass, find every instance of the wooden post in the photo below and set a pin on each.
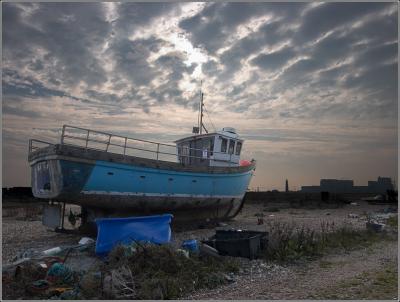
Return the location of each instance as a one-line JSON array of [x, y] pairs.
[[62, 216], [87, 138], [62, 135], [109, 140]]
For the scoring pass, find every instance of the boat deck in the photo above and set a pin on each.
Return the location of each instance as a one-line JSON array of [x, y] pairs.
[[87, 155], [86, 145]]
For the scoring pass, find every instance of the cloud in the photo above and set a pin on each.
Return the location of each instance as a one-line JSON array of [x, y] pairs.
[[131, 59], [131, 17], [273, 60], [328, 16], [135, 69], [212, 26], [59, 37]]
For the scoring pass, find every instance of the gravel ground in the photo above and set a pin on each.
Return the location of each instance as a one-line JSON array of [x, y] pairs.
[[311, 218], [257, 279], [19, 236], [270, 282]]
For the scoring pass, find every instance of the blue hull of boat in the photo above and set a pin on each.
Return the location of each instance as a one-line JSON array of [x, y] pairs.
[[120, 179], [119, 186]]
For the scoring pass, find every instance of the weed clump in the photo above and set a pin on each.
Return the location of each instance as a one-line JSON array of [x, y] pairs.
[[393, 221], [272, 209], [160, 272], [288, 242]]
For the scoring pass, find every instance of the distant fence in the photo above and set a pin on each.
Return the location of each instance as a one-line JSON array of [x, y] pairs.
[[17, 192], [270, 196]]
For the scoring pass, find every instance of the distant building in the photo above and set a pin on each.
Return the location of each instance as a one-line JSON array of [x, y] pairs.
[[381, 185], [311, 189], [287, 186], [347, 186], [335, 185]]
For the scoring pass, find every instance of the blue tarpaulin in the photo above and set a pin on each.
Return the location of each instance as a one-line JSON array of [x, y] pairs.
[[114, 231]]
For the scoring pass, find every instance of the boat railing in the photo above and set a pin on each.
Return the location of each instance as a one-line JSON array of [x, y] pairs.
[[103, 141], [35, 144]]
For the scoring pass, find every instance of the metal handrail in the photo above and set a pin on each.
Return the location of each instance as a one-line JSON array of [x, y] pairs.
[[166, 153], [32, 147], [108, 143], [124, 137], [114, 135]]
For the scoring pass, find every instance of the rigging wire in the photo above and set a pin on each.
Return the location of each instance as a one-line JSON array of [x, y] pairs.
[[199, 118], [210, 118]]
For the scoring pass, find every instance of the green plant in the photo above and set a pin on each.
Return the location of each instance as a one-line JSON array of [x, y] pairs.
[[288, 242], [393, 221], [272, 209], [159, 272]]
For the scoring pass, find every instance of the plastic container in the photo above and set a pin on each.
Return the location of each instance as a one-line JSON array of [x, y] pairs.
[[86, 240], [191, 245], [52, 251], [244, 163], [113, 231], [236, 243]]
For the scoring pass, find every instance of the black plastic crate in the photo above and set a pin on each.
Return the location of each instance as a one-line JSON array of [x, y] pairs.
[[235, 243], [227, 234]]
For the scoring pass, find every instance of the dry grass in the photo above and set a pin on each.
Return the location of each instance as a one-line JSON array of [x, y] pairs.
[[159, 272], [288, 242]]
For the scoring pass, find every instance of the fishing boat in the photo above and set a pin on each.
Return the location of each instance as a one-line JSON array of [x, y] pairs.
[[199, 177]]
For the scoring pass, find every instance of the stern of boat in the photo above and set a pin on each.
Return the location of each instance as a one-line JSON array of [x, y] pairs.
[[46, 178], [53, 176]]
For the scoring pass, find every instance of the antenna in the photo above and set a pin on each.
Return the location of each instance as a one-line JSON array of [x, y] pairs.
[[201, 112], [200, 124], [197, 129], [199, 116]]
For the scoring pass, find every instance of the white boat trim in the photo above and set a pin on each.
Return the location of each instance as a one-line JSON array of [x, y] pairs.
[[157, 194]]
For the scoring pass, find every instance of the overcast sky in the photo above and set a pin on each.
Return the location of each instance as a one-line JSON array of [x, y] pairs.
[[311, 87]]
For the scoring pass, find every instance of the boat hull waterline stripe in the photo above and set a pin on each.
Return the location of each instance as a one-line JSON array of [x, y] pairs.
[[159, 194]]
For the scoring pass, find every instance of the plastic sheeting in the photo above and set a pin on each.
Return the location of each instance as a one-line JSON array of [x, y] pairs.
[[114, 231]]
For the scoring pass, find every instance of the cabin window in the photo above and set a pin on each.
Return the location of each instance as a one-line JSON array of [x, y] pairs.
[[211, 146], [238, 148], [224, 144], [205, 153], [231, 146]]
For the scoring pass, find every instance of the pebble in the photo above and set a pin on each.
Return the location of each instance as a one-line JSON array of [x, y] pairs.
[[31, 234]]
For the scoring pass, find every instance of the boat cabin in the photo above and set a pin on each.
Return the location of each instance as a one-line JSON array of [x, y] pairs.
[[221, 148]]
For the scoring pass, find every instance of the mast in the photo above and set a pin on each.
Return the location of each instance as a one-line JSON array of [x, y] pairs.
[[201, 112], [200, 116]]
